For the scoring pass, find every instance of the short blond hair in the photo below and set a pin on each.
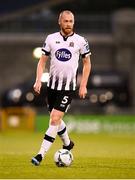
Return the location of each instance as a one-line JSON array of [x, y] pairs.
[[65, 12]]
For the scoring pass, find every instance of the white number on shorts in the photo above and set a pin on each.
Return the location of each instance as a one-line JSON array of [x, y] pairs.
[[65, 100]]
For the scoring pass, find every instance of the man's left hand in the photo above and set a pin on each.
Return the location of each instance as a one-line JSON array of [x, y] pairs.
[[82, 92]]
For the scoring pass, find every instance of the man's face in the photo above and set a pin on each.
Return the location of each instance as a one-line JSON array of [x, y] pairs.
[[66, 23]]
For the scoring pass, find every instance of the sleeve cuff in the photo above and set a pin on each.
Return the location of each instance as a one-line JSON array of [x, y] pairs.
[[86, 54], [45, 52]]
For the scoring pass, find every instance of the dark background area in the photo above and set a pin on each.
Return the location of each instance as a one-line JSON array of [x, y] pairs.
[[95, 6], [80, 6], [109, 27]]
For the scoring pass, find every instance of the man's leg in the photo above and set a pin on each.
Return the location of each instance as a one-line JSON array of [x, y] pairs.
[[50, 135], [63, 134]]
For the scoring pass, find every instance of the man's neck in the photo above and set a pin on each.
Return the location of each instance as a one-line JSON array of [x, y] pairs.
[[66, 35]]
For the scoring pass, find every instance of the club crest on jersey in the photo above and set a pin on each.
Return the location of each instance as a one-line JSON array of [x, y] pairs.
[[71, 44], [63, 54]]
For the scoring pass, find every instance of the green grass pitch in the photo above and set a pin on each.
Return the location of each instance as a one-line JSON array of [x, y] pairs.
[[101, 155]]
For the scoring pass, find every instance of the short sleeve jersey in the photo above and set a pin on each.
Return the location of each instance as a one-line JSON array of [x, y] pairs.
[[64, 58]]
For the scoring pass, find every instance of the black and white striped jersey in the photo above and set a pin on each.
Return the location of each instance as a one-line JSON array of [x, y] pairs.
[[64, 57]]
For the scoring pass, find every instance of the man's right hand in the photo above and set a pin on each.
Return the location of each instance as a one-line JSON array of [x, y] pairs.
[[37, 87]]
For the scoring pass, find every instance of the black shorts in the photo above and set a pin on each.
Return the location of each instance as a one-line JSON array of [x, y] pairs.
[[59, 100]]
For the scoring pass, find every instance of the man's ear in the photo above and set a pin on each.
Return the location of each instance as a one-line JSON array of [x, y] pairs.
[[59, 21]]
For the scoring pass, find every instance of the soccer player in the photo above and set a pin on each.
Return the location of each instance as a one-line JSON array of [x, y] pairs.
[[64, 48]]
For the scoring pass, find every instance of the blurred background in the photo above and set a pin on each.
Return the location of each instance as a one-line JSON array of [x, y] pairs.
[[103, 125], [109, 27]]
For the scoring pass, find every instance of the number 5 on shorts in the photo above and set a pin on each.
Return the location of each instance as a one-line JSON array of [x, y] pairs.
[[65, 100]]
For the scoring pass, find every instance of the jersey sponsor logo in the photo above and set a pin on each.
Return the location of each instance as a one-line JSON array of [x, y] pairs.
[[63, 54]]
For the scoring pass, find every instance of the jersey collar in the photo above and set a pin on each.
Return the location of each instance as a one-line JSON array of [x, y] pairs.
[[66, 37]]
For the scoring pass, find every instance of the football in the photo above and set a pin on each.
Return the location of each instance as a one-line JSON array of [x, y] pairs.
[[63, 158]]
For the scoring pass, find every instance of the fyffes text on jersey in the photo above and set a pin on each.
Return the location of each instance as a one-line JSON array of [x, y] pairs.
[[63, 54]]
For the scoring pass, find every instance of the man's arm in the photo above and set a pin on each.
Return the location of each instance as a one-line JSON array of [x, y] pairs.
[[40, 68], [85, 76]]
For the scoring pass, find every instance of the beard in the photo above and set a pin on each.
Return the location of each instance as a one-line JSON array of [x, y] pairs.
[[67, 31]]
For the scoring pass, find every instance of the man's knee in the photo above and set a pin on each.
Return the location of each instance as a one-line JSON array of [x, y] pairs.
[[55, 117], [54, 120]]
